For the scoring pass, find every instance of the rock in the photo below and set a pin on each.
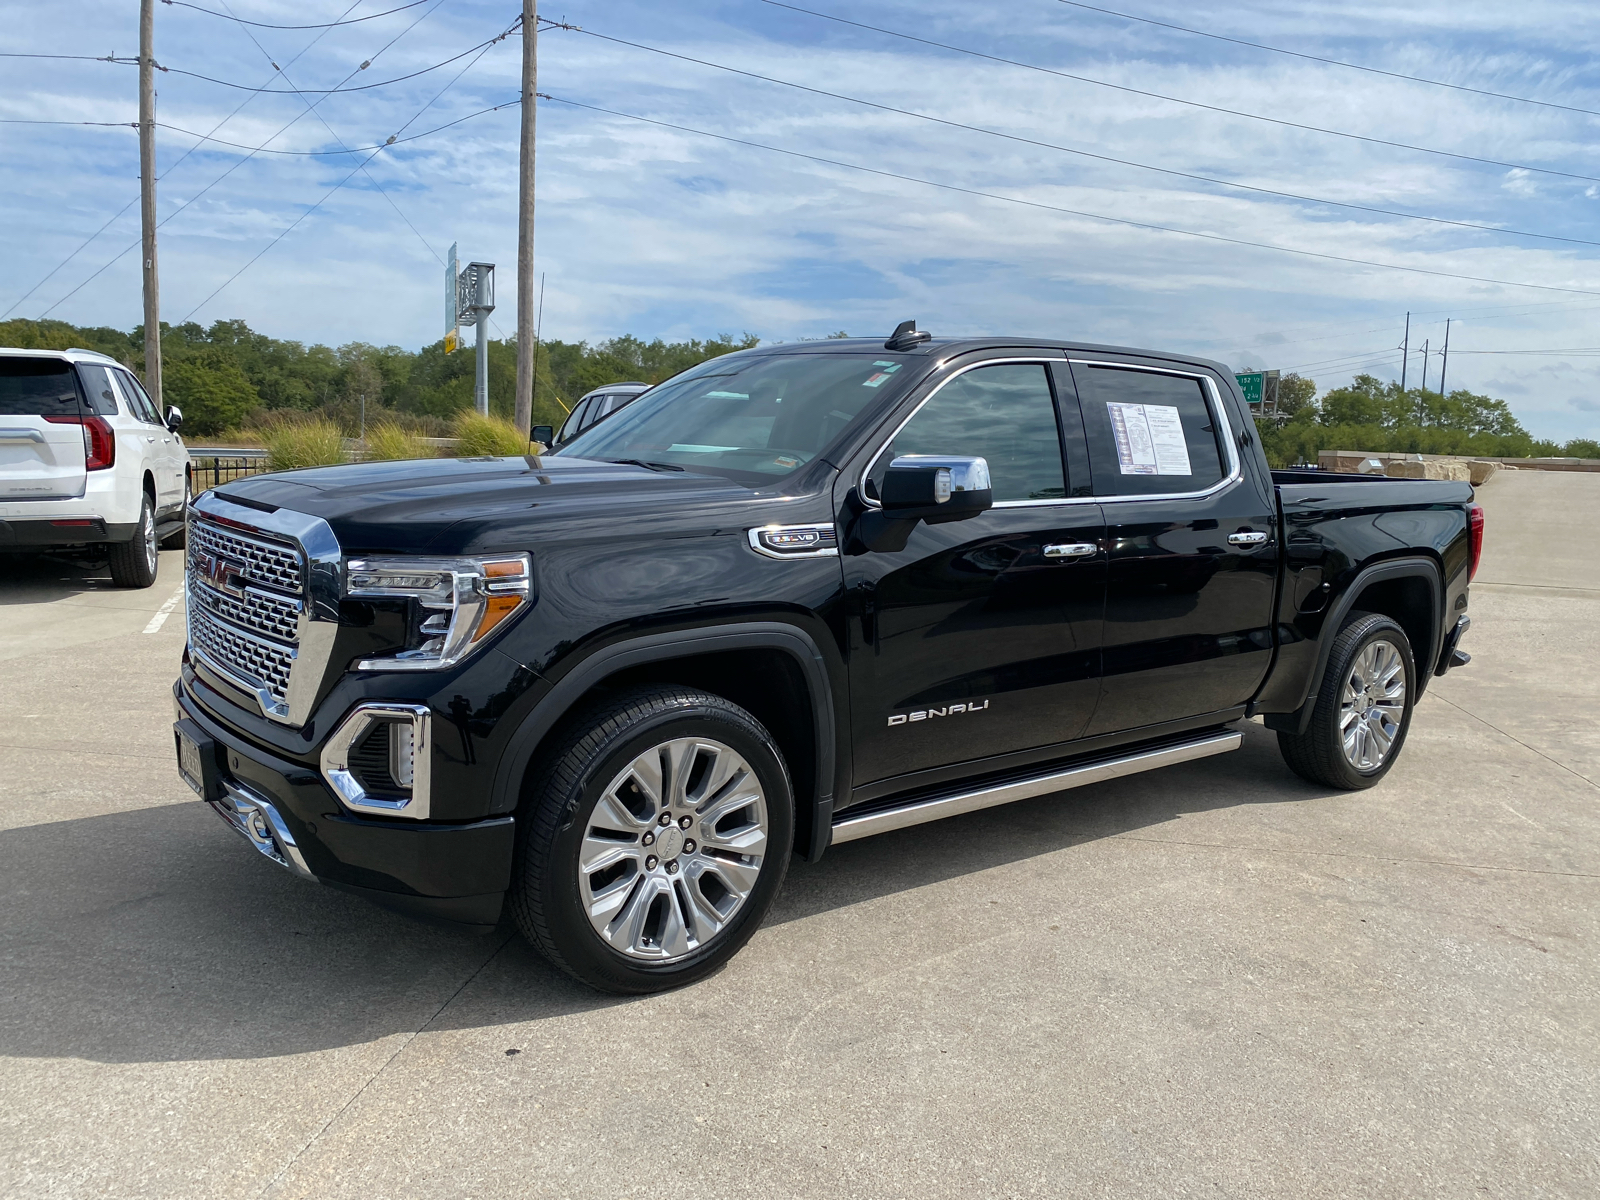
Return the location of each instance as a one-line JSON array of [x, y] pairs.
[[1482, 470]]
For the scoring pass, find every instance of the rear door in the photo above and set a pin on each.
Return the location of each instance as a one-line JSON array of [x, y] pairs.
[[166, 451], [41, 440], [1191, 545]]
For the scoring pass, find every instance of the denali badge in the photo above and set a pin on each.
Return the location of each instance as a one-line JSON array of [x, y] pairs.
[[952, 710], [224, 574]]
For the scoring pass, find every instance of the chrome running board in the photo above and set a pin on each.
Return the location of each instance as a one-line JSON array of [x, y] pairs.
[[848, 828]]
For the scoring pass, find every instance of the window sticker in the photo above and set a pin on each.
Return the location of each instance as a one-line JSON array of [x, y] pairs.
[[889, 368], [1149, 439]]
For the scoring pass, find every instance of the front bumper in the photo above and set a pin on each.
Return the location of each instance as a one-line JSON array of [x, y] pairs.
[[456, 873]]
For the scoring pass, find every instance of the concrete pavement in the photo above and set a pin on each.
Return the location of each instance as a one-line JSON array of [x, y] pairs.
[[1214, 980]]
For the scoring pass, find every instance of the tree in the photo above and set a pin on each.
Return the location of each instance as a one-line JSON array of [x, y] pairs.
[[210, 388], [1296, 395]]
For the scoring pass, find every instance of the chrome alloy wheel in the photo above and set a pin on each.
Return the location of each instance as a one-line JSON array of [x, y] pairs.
[[673, 849], [1373, 702], [147, 533]]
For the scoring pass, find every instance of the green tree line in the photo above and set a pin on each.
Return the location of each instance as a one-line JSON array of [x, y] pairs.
[[1370, 414], [229, 377]]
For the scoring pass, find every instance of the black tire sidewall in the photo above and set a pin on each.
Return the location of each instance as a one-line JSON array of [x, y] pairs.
[[581, 949], [1352, 639]]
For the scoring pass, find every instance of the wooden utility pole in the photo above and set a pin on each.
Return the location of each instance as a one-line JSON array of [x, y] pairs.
[[1405, 355], [1444, 363], [147, 198], [527, 341]]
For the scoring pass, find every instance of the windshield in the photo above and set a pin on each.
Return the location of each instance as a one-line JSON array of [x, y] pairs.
[[751, 419]]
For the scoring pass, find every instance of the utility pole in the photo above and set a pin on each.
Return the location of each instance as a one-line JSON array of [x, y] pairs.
[[527, 338], [1444, 363], [147, 199], [1424, 372], [1405, 354], [482, 304]]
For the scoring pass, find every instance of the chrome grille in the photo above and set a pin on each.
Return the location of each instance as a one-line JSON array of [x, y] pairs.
[[240, 654], [251, 636], [259, 612], [266, 562]]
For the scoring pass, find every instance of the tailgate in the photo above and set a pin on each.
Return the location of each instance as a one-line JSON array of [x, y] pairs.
[[40, 459]]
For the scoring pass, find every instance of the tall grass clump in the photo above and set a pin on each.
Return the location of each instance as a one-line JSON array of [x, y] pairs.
[[388, 442], [477, 435], [312, 444]]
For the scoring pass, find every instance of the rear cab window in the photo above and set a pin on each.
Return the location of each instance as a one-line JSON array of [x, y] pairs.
[[1150, 433]]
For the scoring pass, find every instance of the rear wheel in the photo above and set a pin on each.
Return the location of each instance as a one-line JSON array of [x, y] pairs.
[[133, 563], [656, 841], [1363, 707]]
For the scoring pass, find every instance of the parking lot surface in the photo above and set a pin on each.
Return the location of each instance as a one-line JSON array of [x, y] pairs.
[[1213, 980]]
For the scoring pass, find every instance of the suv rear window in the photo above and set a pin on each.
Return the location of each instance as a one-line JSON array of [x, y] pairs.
[[37, 387]]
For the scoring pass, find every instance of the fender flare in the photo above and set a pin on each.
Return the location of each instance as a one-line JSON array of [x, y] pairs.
[[1426, 569], [570, 689]]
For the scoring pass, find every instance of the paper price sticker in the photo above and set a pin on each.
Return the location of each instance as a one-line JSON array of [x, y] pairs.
[[1149, 439]]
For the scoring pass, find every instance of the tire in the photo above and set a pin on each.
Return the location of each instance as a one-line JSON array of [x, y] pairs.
[[1368, 644], [133, 563], [582, 843]]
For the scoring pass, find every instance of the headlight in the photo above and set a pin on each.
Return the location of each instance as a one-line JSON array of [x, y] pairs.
[[459, 601]]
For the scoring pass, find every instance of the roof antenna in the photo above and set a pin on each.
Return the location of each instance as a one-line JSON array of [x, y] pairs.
[[906, 335]]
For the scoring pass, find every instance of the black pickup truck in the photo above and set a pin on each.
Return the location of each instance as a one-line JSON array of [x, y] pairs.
[[795, 596]]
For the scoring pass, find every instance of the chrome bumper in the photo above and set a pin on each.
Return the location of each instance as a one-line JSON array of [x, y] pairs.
[[258, 822]]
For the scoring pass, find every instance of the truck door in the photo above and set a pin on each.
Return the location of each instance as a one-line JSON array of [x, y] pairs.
[[1191, 543], [41, 438], [979, 637], [162, 449]]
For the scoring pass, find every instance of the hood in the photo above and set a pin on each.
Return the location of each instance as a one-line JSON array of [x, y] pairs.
[[452, 505]]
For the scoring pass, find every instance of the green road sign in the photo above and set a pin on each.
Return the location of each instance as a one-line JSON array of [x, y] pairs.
[[1252, 385]]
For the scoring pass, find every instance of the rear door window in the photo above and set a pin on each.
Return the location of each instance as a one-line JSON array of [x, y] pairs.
[[98, 389], [38, 387], [1150, 434], [138, 399]]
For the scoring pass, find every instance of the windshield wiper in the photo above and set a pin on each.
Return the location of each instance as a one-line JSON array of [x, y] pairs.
[[649, 466]]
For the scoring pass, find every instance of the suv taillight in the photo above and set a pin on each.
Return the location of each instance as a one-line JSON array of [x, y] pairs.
[[99, 443], [1474, 537]]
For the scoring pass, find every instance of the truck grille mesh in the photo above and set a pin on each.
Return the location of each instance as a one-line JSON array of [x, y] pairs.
[[269, 563], [254, 636], [258, 612], [241, 654]]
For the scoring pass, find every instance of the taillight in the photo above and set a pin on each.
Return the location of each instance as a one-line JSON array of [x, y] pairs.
[[1474, 537], [99, 443]]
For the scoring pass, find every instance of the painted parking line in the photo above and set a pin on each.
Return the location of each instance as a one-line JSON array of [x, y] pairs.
[[164, 611]]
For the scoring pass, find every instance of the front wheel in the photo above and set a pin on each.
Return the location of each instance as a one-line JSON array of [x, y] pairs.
[[655, 842], [1363, 708]]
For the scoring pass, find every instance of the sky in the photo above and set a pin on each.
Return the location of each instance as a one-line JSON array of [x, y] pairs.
[[697, 204]]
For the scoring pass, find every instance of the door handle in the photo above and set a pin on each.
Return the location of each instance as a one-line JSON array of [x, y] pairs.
[[1246, 537], [1071, 550], [150, 437]]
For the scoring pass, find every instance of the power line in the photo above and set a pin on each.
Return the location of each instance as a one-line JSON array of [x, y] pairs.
[[392, 141], [264, 25], [110, 124], [181, 159], [359, 167], [1210, 237], [1216, 108], [235, 166], [1125, 162], [1333, 62], [110, 58], [364, 87], [1585, 350]]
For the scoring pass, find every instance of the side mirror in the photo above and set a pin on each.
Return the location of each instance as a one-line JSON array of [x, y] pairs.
[[174, 418], [936, 488], [545, 435]]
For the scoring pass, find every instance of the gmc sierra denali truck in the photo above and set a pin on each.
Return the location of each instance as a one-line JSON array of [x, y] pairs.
[[795, 596]]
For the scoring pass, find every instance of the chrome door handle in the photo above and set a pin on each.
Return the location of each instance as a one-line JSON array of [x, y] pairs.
[[150, 438], [1071, 550], [1246, 538]]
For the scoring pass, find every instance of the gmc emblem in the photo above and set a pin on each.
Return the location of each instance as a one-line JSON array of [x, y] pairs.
[[224, 574]]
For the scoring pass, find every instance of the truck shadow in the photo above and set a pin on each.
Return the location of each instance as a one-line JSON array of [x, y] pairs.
[[154, 936], [41, 578]]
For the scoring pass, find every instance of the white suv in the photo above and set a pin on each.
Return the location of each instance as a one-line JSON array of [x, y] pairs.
[[85, 458]]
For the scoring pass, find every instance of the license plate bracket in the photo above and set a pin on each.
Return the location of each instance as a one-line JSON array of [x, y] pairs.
[[197, 760]]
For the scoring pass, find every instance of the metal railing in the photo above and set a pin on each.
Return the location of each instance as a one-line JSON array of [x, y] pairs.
[[214, 466]]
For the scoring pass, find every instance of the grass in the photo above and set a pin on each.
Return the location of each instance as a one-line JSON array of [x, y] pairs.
[[479, 435], [313, 444], [388, 442]]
